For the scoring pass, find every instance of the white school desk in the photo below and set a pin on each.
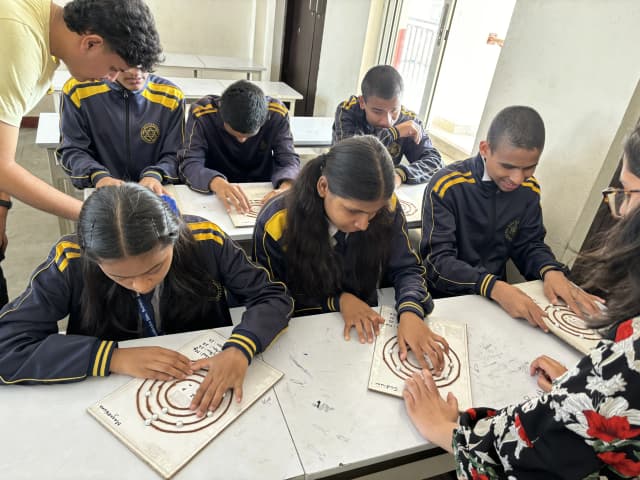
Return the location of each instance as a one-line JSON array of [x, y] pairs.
[[342, 429], [311, 131], [412, 193], [180, 64], [184, 64], [319, 420], [49, 435], [230, 64]]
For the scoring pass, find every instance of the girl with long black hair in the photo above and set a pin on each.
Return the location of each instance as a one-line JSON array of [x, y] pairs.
[[137, 269], [340, 232]]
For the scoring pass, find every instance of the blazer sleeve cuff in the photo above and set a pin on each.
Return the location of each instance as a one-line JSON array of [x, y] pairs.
[[413, 307], [485, 285], [98, 175], [554, 266], [153, 173], [101, 364], [332, 303], [244, 341]]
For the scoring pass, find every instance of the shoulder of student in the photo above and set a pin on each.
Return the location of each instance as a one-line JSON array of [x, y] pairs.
[[276, 107], [162, 85], [207, 105], [406, 114], [78, 91], [350, 103], [455, 175], [66, 252], [273, 218], [205, 230]]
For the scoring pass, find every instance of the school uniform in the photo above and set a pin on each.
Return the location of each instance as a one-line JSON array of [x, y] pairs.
[[210, 151], [32, 351], [470, 229], [424, 160], [403, 269], [109, 131]]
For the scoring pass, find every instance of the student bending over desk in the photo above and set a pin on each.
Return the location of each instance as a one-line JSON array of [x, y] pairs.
[[242, 137], [586, 424], [379, 111], [127, 130], [136, 269], [337, 233], [480, 212]]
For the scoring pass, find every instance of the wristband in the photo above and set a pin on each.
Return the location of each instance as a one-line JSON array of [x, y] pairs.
[[6, 204]]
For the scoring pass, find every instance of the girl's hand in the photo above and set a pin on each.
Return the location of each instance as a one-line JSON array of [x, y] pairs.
[[547, 369], [156, 363], [226, 371], [357, 314], [434, 417], [414, 334]]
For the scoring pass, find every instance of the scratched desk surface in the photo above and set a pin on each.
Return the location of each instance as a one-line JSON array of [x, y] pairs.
[[337, 424], [50, 435]]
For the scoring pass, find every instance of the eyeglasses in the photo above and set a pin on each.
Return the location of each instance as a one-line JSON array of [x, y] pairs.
[[617, 199]]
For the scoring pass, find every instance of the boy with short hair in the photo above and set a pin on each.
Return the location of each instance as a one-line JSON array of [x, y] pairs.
[[483, 211], [127, 130], [241, 136], [379, 111]]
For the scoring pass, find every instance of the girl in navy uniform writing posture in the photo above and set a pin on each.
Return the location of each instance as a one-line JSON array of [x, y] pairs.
[[136, 269], [340, 231]]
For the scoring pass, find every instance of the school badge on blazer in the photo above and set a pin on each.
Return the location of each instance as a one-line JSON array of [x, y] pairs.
[[216, 292], [394, 149], [512, 230], [150, 132]]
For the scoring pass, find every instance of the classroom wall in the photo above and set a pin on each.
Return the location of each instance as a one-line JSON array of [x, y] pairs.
[[571, 61], [345, 32]]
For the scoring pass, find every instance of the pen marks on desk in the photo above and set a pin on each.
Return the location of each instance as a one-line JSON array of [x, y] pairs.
[[389, 371], [297, 364], [153, 419], [322, 406]]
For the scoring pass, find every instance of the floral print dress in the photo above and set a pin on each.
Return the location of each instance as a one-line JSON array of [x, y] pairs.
[[587, 427]]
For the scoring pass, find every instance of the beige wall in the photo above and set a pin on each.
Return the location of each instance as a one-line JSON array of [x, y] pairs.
[[571, 60]]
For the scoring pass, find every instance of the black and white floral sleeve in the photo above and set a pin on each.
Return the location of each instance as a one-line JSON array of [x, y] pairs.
[[587, 427]]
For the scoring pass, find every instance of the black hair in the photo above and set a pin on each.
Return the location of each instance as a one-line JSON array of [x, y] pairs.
[[243, 106], [358, 168], [615, 271], [127, 27], [632, 151], [519, 126], [382, 81], [127, 220]]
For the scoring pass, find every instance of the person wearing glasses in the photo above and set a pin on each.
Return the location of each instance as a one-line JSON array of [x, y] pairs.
[[586, 423], [627, 198]]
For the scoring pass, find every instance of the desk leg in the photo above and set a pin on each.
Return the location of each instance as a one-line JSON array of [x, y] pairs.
[[292, 107]]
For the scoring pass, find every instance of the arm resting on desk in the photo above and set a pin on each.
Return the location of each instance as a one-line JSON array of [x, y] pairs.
[[31, 349]]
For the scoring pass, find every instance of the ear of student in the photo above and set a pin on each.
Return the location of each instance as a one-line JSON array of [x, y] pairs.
[[484, 148], [91, 42], [322, 186]]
